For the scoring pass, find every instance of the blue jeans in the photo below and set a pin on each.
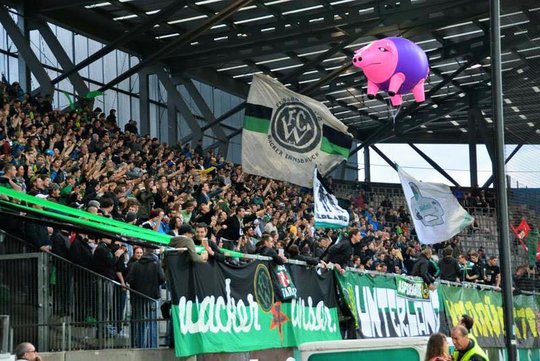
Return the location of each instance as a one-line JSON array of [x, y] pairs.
[[144, 323]]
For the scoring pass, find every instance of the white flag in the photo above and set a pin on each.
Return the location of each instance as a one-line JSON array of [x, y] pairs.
[[328, 214], [286, 134], [435, 211]]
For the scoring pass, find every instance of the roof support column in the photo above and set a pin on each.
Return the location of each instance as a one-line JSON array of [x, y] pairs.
[[144, 103], [27, 56], [473, 160], [25, 78], [65, 62], [172, 123], [367, 165]]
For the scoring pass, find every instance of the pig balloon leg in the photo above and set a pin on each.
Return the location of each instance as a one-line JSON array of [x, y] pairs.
[[418, 91], [395, 83], [372, 89], [396, 100]]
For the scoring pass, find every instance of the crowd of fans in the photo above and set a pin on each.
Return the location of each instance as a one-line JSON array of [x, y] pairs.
[[81, 158]]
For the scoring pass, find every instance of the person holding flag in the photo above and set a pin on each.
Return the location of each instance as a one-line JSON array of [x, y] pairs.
[[340, 253]]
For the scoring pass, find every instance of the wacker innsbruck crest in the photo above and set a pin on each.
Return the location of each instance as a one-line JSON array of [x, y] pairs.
[[286, 134], [295, 127]]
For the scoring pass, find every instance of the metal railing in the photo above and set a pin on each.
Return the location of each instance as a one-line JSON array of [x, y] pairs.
[[61, 306]]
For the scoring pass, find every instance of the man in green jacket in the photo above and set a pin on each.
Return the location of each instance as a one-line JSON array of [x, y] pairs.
[[466, 348]]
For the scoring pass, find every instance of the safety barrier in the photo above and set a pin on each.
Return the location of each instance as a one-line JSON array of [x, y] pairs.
[[61, 306]]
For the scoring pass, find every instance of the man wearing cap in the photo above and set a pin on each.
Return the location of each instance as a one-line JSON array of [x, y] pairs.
[[185, 240]]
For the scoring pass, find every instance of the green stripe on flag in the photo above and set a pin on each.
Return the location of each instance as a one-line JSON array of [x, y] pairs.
[[258, 125], [329, 225], [93, 94], [331, 148]]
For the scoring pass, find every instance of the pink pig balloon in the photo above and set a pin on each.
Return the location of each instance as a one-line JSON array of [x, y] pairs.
[[395, 65]]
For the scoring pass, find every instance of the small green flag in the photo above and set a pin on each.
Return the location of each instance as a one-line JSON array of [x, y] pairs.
[[70, 100], [93, 94]]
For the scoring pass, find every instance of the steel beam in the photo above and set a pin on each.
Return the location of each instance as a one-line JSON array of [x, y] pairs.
[[173, 96], [434, 165], [25, 78], [162, 15], [53, 5], [500, 179], [384, 157], [63, 59], [208, 115], [473, 159], [26, 52], [492, 177], [144, 103], [172, 123], [182, 40], [485, 131], [367, 166], [349, 20]]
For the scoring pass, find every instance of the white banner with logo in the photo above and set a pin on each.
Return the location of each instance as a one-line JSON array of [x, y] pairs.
[[328, 214], [435, 211], [286, 134]]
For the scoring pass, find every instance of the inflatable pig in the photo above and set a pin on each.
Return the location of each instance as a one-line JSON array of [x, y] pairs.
[[395, 65]]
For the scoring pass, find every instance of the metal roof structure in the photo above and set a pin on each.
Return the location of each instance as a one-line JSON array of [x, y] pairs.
[[308, 45]]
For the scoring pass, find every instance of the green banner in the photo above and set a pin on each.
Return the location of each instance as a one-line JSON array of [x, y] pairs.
[[527, 321], [222, 308], [523, 354], [412, 287], [485, 307], [381, 311]]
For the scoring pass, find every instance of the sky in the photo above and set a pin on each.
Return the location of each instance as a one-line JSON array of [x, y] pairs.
[[523, 168]]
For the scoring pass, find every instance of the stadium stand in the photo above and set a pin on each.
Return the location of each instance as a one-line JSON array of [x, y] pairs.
[[81, 158]]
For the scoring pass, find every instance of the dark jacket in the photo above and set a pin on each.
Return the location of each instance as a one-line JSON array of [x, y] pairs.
[[270, 252], [146, 275], [421, 269], [449, 267], [183, 242], [232, 232], [80, 253], [60, 243], [104, 261], [339, 253], [37, 234]]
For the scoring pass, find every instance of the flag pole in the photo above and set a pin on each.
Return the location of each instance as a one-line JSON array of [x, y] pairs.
[[500, 178]]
